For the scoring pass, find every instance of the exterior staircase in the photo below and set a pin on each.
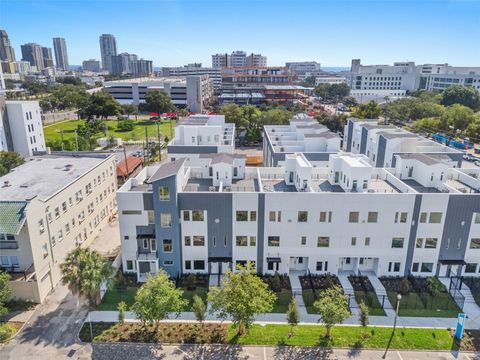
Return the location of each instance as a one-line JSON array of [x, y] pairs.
[[380, 291]]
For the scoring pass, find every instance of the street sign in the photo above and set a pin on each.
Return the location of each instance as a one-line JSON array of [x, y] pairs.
[[460, 324]]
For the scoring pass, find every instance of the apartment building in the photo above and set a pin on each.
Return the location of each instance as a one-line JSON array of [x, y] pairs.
[[381, 143], [21, 127], [303, 68], [49, 206], [61, 55], [190, 92], [214, 73], [33, 53], [91, 65], [304, 134], [239, 59], [329, 80], [379, 96], [421, 217], [201, 134], [108, 48]]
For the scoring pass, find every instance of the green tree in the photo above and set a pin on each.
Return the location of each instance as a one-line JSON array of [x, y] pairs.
[[252, 116], [276, 282], [457, 116], [293, 315], [309, 81], [100, 105], [121, 307], [463, 95], [129, 109], [84, 270], [370, 110], [332, 307], [275, 117], [241, 296], [234, 114], [158, 101], [157, 298], [9, 160], [473, 129], [199, 308], [125, 125], [428, 125], [363, 314], [334, 123], [5, 291]]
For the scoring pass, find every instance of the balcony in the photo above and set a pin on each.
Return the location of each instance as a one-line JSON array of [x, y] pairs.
[[10, 244], [146, 254]]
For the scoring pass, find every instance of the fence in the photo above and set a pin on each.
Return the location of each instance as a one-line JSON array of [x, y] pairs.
[[369, 298], [454, 291], [117, 262]]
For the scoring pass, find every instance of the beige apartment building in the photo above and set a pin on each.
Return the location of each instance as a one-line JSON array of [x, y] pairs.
[[49, 206]]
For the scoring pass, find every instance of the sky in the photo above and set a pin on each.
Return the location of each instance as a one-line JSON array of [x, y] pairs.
[[177, 32]]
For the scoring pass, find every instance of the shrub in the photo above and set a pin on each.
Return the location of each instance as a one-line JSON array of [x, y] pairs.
[[6, 332], [363, 315], [199, 308], [405, 286], [121, 307], [126, 125], [276, 283]]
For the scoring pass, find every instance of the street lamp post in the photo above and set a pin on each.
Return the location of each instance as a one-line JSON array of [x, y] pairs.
[[399, 297]]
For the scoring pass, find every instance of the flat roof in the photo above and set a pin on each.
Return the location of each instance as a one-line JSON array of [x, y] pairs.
[[426, 159], [43, 176], [325, 134]]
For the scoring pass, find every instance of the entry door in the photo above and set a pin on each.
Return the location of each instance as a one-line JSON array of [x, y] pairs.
[[214, 268], [225, 267]]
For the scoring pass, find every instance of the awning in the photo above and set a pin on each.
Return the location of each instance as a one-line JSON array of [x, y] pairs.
[[452, 262], [145, 236], [219, 259], [274, 259]]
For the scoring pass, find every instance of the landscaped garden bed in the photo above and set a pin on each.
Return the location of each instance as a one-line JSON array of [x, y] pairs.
[[312, 285], [425, 297], [280, 285], [276, 334], [364, 292], [473, 284], [8, 329]]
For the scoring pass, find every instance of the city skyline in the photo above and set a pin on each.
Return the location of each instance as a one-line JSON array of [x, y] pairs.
[[183, 30]]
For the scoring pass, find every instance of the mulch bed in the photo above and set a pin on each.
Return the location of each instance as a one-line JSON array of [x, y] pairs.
[[469, 342], [320, 282], [284, 281], [174, 333], [361, 283]]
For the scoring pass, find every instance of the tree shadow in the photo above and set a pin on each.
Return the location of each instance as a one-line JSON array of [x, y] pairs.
[[103, 351], [304, 353], [209, 351]]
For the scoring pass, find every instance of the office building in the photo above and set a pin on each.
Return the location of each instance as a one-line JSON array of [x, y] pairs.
[[304, 134], [420, 217], [238, 58], [214, 73], [108, 48], [256, 60], [91, 65], [302, 68], [47, 57], [122, 63], [142, 67], [33, 53], [220, 60], [49, 206], [201, 134], [21, 127], [189, 92], [61, 56], [382, 143], [329, 80], [7, 53]]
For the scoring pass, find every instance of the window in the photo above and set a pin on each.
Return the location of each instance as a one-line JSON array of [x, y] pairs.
[[470, 268], [415, 267], [319, 266], [242, 241], [151, 216], [57, 212], [197, 215], [372, 216], [164, 193], [145, 243], [253, 216], [41, 226], [477, 218], [475, 243], [165, 220], [242, 215], [186, 216], [401, 217], [60, 235], [167, 245], [198, 265], [431, 243], [302, 216], [271, 215], [426, 267], [187, 240], [274, 241], [129, 265], [323, 241], [354, 241], [198, 240], [303, 240], [435, 218], [253, 241], [167, 262], [131, 212], [367, 241], [419, 243], [353, 217], [423, 217], [397, 243], [393, 266], [64, 206], [188, 265], [67, 228]]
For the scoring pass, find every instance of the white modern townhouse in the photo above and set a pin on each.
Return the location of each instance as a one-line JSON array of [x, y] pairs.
[[381, 143], [48, 207], [201, 134], [303, 134], [420, 216]]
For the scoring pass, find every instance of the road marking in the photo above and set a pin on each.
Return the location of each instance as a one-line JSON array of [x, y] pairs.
[[264, 353], [400, 356], [186, 354]]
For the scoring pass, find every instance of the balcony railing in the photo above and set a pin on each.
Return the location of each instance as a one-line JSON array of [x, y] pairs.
[[12, 244], [146, 254]]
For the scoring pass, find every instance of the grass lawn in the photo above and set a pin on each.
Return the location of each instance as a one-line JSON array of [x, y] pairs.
[[112, 297], [309, 299], [371, 300], [52, 132], [274, 335], [441, 305], [283, 299], [201, 291]]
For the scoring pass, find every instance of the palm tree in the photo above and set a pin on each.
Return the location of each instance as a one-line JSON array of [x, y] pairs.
[[84, 270]]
